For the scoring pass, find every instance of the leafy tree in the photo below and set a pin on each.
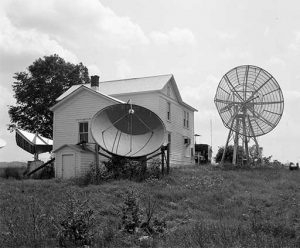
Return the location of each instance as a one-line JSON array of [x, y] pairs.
[[267, 160], [228, 154], [255, 157], [36, 90], [253, 154]]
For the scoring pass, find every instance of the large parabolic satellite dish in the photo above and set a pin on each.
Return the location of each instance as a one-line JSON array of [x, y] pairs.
[[33, 143], [2, 143], [250, 103], [128, 130]]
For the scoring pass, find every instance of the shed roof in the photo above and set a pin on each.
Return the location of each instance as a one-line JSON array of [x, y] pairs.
[[78, 148]]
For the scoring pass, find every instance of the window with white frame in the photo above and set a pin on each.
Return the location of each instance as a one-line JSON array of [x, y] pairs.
[[186, 117], [187, 143], [83, 131], [168, 111]]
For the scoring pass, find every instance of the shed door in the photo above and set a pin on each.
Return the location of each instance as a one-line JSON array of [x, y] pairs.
[[68, 165]]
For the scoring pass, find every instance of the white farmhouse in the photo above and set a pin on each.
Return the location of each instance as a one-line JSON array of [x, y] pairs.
[[76, 107]]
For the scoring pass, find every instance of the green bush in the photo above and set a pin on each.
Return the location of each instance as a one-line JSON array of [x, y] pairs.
[[45, 173], [13, 172], [154, 169], [120, 168], [135, 219], [76, 227], [48, 172], [131, 213], [229, 154]]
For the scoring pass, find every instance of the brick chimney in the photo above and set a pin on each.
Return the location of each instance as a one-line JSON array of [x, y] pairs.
[[95, 82]]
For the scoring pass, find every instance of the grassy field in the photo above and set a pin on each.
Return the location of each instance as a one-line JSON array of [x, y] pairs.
[[200, 207]]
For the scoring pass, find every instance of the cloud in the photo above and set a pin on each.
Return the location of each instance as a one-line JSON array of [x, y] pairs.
[[123, 68], [78, 20], [245, 55], [63, 27], [16, 41], [176, 36], [276, 61], [267, 31], [292, 95], [295, 44], [225, 36], [121, 27], [5, 100], [235, 53], [94, 70], [227, 54], [6, 96], [203, 93]]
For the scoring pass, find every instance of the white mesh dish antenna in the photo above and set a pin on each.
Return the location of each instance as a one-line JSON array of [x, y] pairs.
[[2, 143], [250, 103], [128, 130]]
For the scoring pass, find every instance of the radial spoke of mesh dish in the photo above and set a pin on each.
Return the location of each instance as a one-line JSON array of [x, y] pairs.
[[253, 93]]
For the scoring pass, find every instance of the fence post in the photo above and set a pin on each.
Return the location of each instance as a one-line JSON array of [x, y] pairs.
[[162, 150], [97, 156], [168, 158]]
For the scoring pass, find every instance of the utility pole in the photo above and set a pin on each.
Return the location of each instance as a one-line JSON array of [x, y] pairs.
[[198, 156]]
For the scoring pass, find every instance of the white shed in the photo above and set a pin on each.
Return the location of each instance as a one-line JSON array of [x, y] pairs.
[[72, 161]]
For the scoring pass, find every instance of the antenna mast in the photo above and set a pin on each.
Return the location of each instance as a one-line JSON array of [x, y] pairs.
[[250, 103]]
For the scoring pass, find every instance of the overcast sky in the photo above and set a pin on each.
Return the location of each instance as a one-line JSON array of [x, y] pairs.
[[197, 41]]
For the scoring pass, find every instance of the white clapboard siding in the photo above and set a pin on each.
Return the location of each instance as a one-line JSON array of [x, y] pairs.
[[58, 160], [82, 161], [180, 153], [169, 92], [86, 160], [157, 102], [81, 107], [148, 100]]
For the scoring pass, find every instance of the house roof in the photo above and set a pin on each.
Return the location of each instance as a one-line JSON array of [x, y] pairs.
[[112, 87], [76, 89], [131, 85]]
